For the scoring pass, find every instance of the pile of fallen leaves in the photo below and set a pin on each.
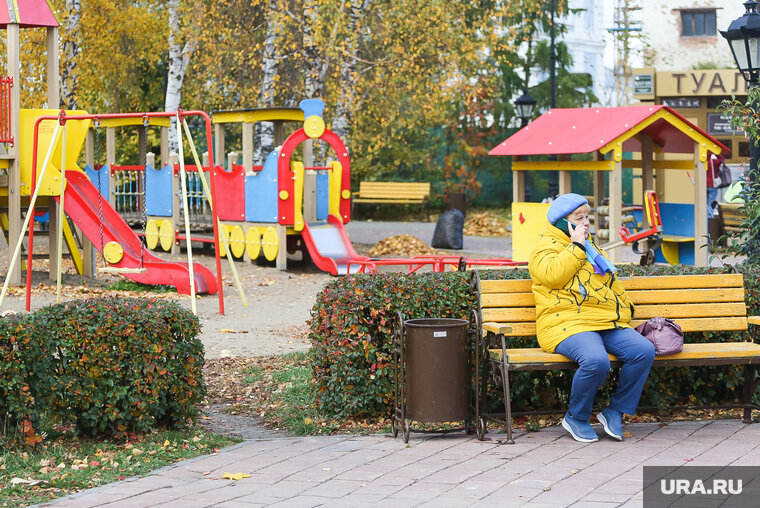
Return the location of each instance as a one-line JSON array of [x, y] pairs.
[[402, 245], [485, 224], [248, 387]]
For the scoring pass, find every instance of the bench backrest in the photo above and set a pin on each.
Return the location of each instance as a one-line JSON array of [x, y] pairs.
[[730, 214], [396, 190], [712, 302]]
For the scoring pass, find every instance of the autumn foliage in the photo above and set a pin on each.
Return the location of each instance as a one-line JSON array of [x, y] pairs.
[[107, 365]]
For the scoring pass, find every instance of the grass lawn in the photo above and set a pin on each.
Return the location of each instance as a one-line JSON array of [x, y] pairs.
[[64, 464]]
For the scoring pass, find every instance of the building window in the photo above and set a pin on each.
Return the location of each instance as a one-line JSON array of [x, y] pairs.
[[698, 23]]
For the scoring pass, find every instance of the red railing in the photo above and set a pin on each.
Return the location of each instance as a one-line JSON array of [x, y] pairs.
[[6, 135]]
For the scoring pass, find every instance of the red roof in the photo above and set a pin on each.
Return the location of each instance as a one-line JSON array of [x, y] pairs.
[[27, 13], [585, 130]]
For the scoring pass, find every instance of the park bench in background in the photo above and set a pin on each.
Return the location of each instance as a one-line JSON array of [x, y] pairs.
[[710, 302], [405, 193], [730, 217]]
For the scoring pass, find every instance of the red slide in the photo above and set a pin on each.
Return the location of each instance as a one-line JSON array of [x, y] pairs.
[[330, 248], [81, 204]]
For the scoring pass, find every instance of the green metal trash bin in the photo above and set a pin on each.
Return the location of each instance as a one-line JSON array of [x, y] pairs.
[[435, 372]]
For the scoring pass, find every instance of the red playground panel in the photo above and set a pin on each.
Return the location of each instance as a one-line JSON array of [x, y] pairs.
[[230, 191]]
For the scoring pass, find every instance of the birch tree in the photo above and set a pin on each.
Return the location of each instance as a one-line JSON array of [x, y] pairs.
[[179, 57], [348, 73], [70, 53], [269, 72]]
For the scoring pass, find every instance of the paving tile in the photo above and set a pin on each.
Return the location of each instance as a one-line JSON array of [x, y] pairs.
[[334, 488], [421, 490]]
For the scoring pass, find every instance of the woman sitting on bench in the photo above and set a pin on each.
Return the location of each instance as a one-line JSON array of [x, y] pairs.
[[583, 313]]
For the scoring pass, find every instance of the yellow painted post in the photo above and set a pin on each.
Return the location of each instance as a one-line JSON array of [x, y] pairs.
[[222, 234], [183, 187], [33, 201], [336, 175], [61, 218], [297, 168]]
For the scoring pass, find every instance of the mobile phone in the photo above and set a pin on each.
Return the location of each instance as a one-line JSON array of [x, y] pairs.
[[562, 225]]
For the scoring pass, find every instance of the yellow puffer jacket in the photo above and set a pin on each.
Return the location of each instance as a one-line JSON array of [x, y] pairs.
[[570, 297]]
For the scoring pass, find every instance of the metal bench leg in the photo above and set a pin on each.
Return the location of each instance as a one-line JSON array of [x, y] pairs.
[[507, 394], [507, 401], [749, 391]]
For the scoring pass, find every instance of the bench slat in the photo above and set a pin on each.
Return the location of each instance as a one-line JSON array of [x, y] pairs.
[[508, 314], [394, 201], [690, 282], [507, 300], [718, 280], [525, 356], [688, 310], [645, 296], [638, 297]]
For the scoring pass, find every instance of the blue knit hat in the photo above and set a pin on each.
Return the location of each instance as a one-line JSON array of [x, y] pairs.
[[564, 205]]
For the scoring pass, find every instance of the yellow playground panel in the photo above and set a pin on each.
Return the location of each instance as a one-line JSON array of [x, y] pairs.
[[76, 132], [528, 220]]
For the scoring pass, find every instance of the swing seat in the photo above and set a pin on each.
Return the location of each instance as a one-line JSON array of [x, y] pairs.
[[114, 269]]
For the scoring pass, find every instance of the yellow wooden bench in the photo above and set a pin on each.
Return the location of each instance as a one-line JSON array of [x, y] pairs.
[[405, 193], [731, 217], [711, 302]]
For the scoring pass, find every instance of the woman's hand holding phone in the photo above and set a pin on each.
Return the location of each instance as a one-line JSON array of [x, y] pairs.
[[577, 233]]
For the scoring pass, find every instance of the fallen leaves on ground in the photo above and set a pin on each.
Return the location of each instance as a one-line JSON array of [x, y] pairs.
[[402, 245], [485, 224]]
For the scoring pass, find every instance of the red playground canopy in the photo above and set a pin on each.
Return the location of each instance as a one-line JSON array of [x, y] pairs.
[[27, 13], [585, 130]]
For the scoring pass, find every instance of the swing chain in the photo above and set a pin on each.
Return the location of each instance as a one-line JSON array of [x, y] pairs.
[[144, 135]]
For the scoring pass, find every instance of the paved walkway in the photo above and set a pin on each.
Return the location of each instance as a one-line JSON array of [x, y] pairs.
[[543, 469]]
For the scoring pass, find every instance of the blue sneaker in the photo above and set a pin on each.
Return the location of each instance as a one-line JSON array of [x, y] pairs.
[[580, 430], [612, 421]]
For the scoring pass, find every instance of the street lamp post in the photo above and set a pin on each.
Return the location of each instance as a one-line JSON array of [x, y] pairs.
[[524, 106], [743, 36]]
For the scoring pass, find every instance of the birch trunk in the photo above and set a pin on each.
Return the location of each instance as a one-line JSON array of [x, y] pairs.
[[70, 52], [314, 74], [179, 57], [345, 106], [264, 132]]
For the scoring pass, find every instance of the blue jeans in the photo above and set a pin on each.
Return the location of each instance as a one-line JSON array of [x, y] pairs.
[[712, 195], [589, 350]]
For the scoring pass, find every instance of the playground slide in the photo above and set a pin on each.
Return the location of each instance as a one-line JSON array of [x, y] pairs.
[[81, 204], [330, 248]]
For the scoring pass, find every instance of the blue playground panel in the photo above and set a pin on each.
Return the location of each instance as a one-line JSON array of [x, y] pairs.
[[261, 192], [93, 176], [678, 224], [158, 191], [323, 196]]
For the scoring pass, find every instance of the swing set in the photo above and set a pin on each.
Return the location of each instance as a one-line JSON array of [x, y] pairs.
[[122, 251]]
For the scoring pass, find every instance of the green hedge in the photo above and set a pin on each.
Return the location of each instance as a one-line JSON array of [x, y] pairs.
[[354, 320], [108, 365], [352, 327]]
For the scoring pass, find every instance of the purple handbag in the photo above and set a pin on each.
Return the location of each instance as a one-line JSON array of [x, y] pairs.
[[664, 333]]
